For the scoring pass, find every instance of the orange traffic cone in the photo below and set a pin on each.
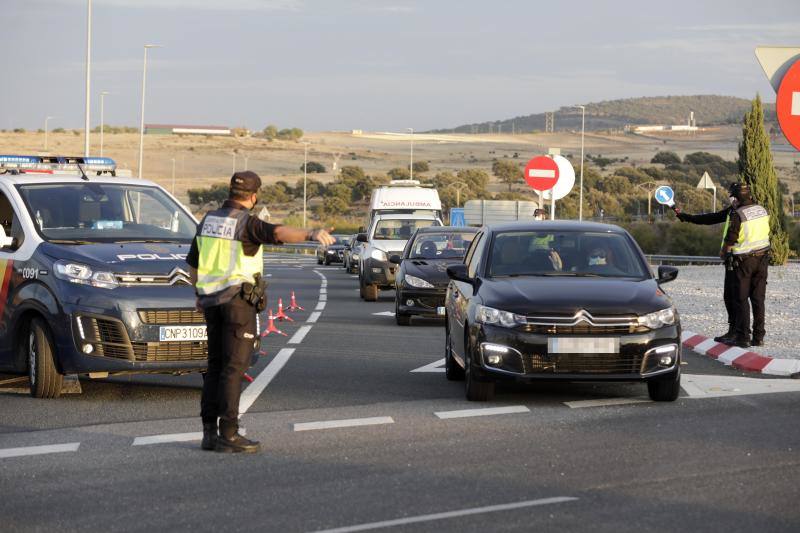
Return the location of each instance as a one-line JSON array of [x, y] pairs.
[[262, 353], [293, 305], [248, 377], [281, 315], [271, 326]]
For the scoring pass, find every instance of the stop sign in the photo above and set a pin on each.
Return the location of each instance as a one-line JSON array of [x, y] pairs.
[[788, 105], [541, 173]]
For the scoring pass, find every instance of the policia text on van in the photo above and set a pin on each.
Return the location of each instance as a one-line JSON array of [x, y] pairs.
[[92, 274], [227, 263]]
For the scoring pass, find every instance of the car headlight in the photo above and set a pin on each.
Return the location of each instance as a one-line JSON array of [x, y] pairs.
[[82, 274], [419, 283], [489, 315], [378, 255], [354, 256], [658, 319]]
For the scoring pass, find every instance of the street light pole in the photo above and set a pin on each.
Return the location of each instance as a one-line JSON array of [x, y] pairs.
[[411, 166], [46, 119], [233, 171], [173, 176], [305, 180], [583, 131], [86, 125], [141, 121], [245, 161], [102, 118]]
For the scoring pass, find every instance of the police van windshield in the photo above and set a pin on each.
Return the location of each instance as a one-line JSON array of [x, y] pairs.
[[104, 212]]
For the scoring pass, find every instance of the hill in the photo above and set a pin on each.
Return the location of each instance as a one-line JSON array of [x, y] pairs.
[[709, 110]]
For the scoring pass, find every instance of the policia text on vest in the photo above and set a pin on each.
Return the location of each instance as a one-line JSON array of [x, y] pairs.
[[745, 250], [227, 264]]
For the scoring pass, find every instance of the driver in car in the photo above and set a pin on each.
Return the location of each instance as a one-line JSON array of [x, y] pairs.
[[600, 260]]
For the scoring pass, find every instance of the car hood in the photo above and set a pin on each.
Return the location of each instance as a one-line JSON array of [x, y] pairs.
[[431, 270], [142, 258], [566, 296], [389, 245]]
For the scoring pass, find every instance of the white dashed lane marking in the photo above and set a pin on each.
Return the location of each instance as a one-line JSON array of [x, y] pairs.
[[605, 402], [170, 437], [485, 411], [313, 317], [334, 424], [39, 450], [299, 335]]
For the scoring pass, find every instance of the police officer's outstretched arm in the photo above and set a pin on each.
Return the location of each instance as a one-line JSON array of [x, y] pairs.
[[291, 234]]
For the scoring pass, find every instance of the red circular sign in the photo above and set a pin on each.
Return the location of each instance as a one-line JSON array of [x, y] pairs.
[[541, 173], [788, 105]]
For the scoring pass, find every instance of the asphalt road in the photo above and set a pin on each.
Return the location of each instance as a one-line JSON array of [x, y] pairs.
[[410, 453]]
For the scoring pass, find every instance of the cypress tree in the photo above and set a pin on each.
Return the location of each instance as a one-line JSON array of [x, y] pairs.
[[757, 169]]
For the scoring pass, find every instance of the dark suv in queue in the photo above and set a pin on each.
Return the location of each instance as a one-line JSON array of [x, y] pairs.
[[93, 274], [566, 301]]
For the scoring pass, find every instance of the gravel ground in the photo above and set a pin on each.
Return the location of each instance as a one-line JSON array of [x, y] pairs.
[[697, 294]]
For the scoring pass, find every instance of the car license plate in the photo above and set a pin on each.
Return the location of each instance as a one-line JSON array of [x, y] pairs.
[[182, 333], [583, 345], [440, 311]]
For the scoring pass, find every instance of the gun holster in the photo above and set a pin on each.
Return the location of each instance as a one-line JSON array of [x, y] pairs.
[[256, 293]]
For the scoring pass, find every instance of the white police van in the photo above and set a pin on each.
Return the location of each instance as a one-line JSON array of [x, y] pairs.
[[93, 278]]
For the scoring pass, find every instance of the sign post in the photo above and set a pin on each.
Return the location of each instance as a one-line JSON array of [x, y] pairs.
[[706, 183]]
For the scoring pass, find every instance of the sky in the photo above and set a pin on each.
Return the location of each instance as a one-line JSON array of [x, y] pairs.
[[383, 65]]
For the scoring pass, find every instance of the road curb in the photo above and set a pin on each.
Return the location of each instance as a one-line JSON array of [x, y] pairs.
[[740, 358]]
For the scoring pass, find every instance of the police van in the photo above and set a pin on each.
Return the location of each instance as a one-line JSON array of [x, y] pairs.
[[93, 278]]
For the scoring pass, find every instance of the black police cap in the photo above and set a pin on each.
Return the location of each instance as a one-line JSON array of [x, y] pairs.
[[245, 181], [738, 187]]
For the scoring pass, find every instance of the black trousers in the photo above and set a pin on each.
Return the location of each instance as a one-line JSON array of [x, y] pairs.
[[750, 288], [728, 291], [231, 334]]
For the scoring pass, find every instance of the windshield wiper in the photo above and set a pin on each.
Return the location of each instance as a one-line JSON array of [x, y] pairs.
[[143, 240], [571, 274]]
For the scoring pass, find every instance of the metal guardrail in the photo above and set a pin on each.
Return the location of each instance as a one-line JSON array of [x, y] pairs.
[[656, 259], [305, 248]]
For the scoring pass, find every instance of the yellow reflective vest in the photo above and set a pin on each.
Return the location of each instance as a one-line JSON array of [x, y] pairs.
[[222, 264], [753, 231]]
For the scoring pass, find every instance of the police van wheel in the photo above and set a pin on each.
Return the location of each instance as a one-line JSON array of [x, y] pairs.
[[45, 380]]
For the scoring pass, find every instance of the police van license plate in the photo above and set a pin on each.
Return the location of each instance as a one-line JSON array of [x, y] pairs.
[[586, 345], [182, 333]]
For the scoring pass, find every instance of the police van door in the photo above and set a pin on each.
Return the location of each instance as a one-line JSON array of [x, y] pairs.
[[12, 240]]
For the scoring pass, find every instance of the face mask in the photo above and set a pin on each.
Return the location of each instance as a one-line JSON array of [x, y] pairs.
[[732, 199], [597, 260]]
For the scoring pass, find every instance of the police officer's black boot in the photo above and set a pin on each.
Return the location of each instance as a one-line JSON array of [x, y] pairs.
[[230, 441], [757, 341], [728, 337], [209, 436]]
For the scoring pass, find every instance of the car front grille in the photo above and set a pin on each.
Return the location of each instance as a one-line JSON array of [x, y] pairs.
[[171, 316], [583, 363], [170, 351], [109, 337], [582, 329], [431, 302]]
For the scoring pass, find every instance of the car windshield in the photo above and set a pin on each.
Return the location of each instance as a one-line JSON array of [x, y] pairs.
[[565, 253], [399, 229], [443, 245], [106, 212]]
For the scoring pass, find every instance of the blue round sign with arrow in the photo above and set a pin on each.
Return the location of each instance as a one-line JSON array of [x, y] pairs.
[[665, 195]]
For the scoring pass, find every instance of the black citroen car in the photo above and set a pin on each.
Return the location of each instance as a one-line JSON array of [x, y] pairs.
[[422, 277], [560, 300]]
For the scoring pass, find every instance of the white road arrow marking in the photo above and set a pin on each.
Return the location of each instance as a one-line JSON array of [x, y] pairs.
[[384, 313], [436, 366]]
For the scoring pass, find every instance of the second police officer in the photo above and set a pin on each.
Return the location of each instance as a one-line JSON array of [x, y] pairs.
[[745, 250], [227, 263]]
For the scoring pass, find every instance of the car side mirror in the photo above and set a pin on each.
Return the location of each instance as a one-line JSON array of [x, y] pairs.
[[459, 273], [362, 237], [667, 273], [396, 259]]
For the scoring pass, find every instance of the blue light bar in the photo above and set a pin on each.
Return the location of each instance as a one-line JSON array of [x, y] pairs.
[[21, 163]]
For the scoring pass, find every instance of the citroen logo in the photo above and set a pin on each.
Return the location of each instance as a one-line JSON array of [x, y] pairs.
[[178, 275]]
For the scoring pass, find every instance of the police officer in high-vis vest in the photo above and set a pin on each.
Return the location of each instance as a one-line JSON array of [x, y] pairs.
[[227, 263], [745, 250]]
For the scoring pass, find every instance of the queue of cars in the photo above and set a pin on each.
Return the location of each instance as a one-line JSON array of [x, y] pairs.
[[526, 301]]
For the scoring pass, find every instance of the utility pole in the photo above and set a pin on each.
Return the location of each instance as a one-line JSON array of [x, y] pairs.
[[583, 131], [46, 119], [141, 121], [233, 168], [305, 180], [102, 118], [173, 176], [411, 165], [86, 125]]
